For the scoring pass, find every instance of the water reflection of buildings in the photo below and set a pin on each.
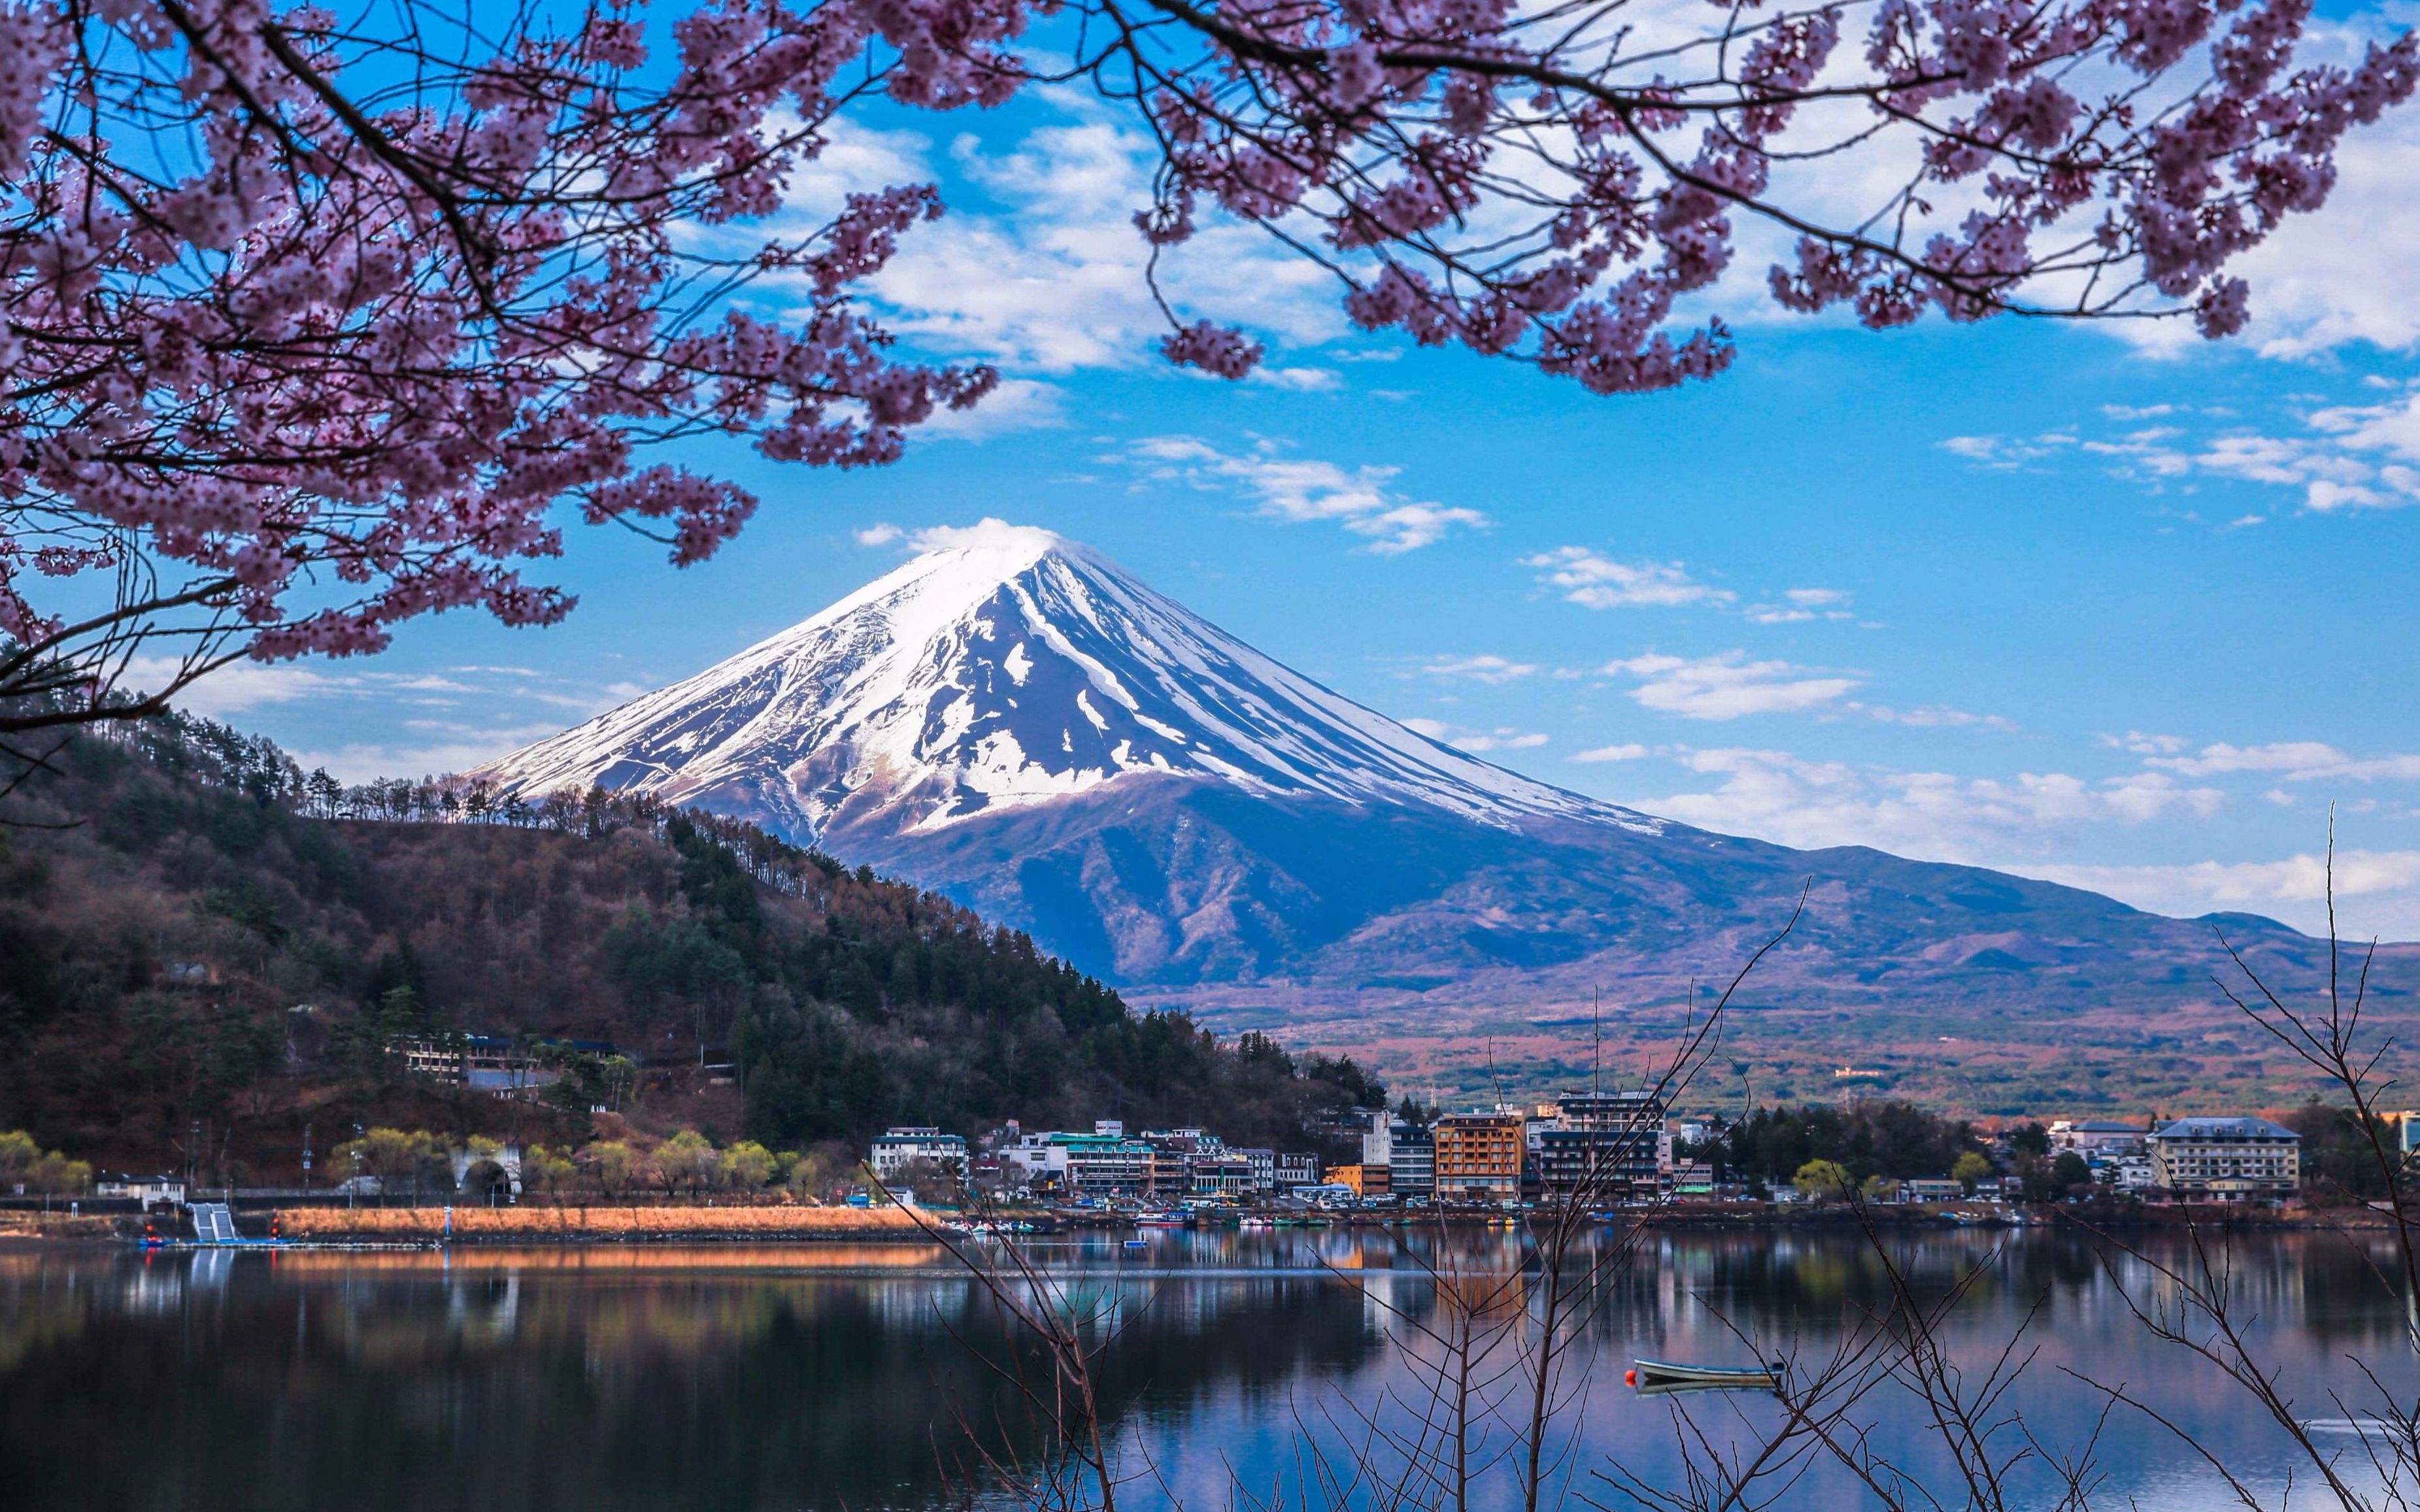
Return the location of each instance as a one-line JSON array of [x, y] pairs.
[[630, 1379]]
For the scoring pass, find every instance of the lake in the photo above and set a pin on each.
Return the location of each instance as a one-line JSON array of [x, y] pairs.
[[848, 1379]]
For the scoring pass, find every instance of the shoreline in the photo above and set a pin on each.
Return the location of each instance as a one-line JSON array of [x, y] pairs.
[[418, 1228]]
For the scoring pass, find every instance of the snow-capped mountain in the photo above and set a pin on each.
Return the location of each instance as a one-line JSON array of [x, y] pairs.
[[1018, 723], [1007, 669]]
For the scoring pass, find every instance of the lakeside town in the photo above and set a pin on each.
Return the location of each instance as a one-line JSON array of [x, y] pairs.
[[1597, 1149]]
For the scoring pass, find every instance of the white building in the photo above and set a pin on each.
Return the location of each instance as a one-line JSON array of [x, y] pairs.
[[901, 1148], [2098, 1138], [1103, 1162], [144, 1189], [2227, 1157], [1265, 1168]]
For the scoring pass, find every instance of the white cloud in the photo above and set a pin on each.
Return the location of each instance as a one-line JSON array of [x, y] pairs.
[[1598, 581], [2295, 760], [1932, 815], [1611, 753], [1299, 380], [2378, 892], [1933, 716], [241, 686], [457, 716], [1726, 686], [1301, 489], [245, 687], [1049, 276], [2346, 273], [2143, 743], [1015, 404], [2004, 453], [1502, 738], [463, 746], [989, 532], [881, 533], [2336, 458], [1801, 604], [1489, 669]]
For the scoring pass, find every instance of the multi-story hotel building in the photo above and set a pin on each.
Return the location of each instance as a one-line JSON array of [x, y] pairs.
[[2225, 1157], [1478, 1156]]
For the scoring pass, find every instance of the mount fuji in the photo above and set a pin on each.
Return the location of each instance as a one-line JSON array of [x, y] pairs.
[[1014, 670], [1019, 722]]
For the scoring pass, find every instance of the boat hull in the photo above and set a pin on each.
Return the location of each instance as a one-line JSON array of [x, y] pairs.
[[1651, 1375]]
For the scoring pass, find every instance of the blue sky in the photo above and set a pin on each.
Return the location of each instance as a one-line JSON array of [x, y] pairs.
[[2120, 608]]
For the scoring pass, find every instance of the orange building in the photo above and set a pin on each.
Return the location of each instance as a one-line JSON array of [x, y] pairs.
[[1478, 1156], [1365, 1180]]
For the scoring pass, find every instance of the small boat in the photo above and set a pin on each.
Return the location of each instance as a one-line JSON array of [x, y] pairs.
[[1657, 1376]]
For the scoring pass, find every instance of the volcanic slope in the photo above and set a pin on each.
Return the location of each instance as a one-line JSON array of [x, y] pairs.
[[1021, 724]]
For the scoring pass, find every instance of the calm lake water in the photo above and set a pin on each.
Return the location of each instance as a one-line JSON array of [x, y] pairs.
[[847, 1377]]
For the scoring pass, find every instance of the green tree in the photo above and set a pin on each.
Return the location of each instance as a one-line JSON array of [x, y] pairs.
[[55, 1176], [18, 1153], [545, 1171], [1971, 1167], [687, 1161], [392, 1156], [24, 1162], [612, 1166], [747, 1166], [1824, 1180]]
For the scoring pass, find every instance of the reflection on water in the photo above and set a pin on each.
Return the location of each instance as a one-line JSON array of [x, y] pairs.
[[848, 1377]]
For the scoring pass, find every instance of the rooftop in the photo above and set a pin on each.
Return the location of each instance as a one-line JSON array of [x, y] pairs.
[[2227, 1129]]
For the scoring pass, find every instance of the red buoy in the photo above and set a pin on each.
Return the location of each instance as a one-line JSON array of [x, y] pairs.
[[1630, 1377]]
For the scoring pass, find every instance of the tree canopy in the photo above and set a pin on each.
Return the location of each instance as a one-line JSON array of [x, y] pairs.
[[311, 320]]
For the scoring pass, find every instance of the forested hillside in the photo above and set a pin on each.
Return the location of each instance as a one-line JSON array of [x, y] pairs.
[[193, 929]]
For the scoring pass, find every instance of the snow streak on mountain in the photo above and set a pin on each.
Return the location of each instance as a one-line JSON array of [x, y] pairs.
[[1003, 671]]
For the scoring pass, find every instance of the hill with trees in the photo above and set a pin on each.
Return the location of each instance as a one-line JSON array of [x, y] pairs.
[[200, 940]]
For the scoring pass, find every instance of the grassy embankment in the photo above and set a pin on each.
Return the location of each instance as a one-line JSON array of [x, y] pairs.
[[578, 1223]]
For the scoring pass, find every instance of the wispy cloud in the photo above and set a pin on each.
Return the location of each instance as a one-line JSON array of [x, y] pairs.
[[1728, 686], [1016, 404], [1933, 716], [2334, 458], [1590, 578], [1489, 669], [1298, 380], [1611, 753], [2291, 761], [1932, 815], [1299, 488], [445, 719], [1502, 738], [2377, 891], [881, 533], [1799, 604]]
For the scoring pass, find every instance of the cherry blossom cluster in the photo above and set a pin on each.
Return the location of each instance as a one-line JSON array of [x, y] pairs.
[[1553, 183], [298, 353], [309, 325]]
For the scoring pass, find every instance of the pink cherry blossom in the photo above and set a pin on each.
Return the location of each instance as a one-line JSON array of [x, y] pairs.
[[307, 328]]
